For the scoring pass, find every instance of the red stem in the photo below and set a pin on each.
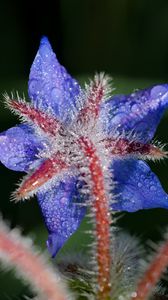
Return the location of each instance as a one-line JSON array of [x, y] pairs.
[[46, 171], [94, 99], [152, 274], [100, 207], [45, 122], [17, 252], [124, 147]]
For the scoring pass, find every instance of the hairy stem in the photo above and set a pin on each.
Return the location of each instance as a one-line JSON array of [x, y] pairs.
[[125, 148], [152, 274], [100, 205], [17, 252], [96, 92], [46, 171], [46, 123]]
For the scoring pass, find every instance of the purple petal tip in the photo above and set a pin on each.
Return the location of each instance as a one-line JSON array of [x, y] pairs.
[[54, 243]]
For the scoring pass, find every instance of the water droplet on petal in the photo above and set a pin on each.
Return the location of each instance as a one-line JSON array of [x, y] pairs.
[[118, 118], [153, 188], [45, 52], [34, 87], [63, 200], [56, 95], [158, 91], [38, 63], [135, 108]]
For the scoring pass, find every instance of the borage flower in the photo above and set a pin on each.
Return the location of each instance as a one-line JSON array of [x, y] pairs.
[[72, 137]]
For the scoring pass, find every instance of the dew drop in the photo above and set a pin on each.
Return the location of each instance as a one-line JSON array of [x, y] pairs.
[[63, 200], [45, 52], [158, 90], [33, 87], [153, 188], [135, 108], [56, 95], [118, 118]]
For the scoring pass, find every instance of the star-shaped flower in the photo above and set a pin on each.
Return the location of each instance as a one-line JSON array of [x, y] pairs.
[[69, 131]]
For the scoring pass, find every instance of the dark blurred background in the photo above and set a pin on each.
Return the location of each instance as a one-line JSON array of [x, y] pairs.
[[126, 38]]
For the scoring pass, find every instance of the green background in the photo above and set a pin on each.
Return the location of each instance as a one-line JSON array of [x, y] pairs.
[[128, 39]]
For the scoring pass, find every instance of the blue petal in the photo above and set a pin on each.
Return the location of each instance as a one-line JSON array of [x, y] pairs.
[[61, 213], [50, 86], [137, 187], [18, 148], [139, 112]]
